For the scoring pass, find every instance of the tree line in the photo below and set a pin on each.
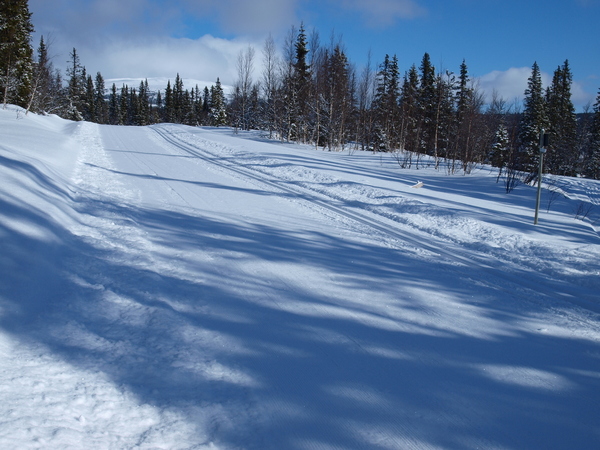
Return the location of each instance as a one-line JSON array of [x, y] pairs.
[[32, 82], [311, 93], [86, 98]]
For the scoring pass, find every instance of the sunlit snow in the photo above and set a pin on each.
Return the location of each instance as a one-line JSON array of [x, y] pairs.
[[176, 287]]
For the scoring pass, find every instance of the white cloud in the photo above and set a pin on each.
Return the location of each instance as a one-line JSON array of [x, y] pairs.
[[135, 38], [580, 97], [508, 84], [206, 58], [511, 85], [147, 38]]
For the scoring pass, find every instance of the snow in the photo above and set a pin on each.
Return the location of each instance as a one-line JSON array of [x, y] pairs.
[[176, 287]]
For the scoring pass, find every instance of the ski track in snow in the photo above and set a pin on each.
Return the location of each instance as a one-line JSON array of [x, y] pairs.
[[433, 234], [198, 290]]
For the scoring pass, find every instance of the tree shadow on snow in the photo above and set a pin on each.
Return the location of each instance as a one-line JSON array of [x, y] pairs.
[[368, 347]]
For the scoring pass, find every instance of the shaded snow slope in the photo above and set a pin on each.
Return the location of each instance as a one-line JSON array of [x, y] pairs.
[[176, 287]]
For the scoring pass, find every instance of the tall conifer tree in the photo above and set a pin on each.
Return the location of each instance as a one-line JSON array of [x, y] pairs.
[[498, 156], [89, 101], [178, 100], [468, 120], [76, 87], [197, 106], [43, 91], [301, 87], [169, 114], [100, 104], [534, 120], [444, 120], [124, 106], [144, 117], [335, 97], [387, 105], [113, 106], [592, 168], [409, 102], [218, 112], [562, 156], [427, 96], [206, 102], [16, 53]]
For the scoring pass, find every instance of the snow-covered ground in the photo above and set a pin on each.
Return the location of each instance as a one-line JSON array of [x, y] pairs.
[[175, 287]]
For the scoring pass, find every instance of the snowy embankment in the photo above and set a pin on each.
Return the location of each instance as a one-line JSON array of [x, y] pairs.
[[176, 287]]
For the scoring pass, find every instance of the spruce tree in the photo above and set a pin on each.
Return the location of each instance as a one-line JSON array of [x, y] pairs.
[[335, 99], [76, 87], [301, 87], [469, 121], [533, 121], [464, 92], [256, 108], [124, 106], [592, 168], [562, 156], [218, 111], [187, 108], [158, 115], [169, 115], [444, 120], [206, 102], [411, 116], [113, 106], [498, 156], [16, 53], [463, 104], [89, 100], [342, 95], [197, 106], [134, 108], [100, 106], [59, 95], [427, 100], [43, 92], [178, 100], [144, 114], [387, 105]]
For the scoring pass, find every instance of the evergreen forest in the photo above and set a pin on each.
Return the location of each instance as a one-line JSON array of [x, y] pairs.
[[311, 93]]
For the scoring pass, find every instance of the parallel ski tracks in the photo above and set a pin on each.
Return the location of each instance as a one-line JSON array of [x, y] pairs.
[[541, 289], [315, 198]]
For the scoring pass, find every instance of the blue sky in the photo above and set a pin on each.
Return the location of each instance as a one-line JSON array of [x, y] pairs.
[[201, 39]]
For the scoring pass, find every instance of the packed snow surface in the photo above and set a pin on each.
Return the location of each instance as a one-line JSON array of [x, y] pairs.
[[170, 287]]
